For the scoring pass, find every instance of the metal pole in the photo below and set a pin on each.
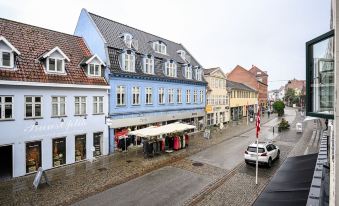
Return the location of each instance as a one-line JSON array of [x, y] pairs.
[[256, 166]]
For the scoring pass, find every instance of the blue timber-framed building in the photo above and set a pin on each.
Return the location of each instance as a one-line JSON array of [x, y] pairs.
[[153, 81]]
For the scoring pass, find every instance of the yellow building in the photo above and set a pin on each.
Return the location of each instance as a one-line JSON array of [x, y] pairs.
[[217, 104], [243, 100]]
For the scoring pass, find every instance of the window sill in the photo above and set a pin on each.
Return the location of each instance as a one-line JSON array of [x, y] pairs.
[[32, 118], [135, 105], [62, 116], [98, 113], [161, 103], [149, 104], [80, 115], [9, 119], [124, 105]]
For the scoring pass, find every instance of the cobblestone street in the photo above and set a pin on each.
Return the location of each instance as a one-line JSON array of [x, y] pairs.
[[75, 182]]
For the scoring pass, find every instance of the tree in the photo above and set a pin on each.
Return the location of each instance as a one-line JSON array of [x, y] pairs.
[[290, 96], [279, 107]]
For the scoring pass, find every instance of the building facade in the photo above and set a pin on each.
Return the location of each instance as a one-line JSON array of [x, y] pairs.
[[153, 81], [217, 104], [253, 78], [243, 100], [53, 100]]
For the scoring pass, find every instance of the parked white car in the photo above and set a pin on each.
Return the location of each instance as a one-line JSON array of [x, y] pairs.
[[267, 153]]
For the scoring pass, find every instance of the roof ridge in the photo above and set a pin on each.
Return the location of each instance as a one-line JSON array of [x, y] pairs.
[[39, 27], [132, 27]]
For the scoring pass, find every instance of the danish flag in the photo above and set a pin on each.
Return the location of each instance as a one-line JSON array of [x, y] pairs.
[[258, 123]]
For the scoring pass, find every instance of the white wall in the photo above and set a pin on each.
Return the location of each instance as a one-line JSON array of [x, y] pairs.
[[20, 131]]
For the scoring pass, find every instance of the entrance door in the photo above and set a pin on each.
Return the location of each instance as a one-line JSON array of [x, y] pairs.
[[6, 159]]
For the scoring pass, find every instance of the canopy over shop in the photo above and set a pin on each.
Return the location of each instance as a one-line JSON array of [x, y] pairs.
[[165, 129]]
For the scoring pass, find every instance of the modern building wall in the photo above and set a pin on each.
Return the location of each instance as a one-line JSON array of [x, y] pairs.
[[19, 131]]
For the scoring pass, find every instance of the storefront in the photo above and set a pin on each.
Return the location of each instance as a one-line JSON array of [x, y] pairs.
[[80, 147], [33, 156], [59, 151]]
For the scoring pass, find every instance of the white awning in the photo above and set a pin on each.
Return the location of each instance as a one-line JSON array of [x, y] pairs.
[[308, 118], [165, 129]]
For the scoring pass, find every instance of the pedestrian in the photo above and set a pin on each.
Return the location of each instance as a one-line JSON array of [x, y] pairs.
[[326, 123], [268, 113], [273, 130]]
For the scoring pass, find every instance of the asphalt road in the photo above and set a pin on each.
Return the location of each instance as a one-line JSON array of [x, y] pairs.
[[173, 186]]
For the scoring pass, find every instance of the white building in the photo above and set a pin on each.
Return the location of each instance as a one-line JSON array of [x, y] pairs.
[[53, 100]]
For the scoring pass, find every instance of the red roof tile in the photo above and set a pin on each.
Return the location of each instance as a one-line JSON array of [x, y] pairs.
[[32, 42]]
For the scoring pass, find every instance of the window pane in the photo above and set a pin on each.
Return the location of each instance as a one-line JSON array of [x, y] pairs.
[[77, 108], [95, 109], [59, 65], [83, 108], [77, 99], [83, 99], [8, 99], [28, 110], [8, 111], [51, 66], [37, 99], [62, 99], [6, 59], [28, 99], [62, 109], [97, 70], [38, 110], [54, 99], [54, 109], [91, 69]]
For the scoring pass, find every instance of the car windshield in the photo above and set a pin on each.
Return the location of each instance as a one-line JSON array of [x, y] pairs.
[[254, 149]]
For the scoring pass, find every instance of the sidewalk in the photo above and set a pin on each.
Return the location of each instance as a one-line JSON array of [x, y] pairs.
[[74, 182]]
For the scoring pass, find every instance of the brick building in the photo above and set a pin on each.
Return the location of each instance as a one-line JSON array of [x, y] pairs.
[[254, 78]]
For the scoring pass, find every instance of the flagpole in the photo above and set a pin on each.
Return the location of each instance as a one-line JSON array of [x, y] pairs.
[[256, 166], [257, 135]]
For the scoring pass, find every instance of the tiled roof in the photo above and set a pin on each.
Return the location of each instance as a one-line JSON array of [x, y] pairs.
[[33, 42], [236, 85], [210, 70], [112, 31], [254, 70]]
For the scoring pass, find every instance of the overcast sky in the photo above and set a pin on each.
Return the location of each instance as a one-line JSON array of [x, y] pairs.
[[270, 34]]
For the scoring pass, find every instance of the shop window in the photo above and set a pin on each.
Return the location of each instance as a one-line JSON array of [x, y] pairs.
[[80, 147], [320, 76], [97, 143], [33, 156], [59, 151]]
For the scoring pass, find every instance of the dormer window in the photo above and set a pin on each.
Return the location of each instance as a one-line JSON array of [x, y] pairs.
[[188, 72], [93, 66], [198, 74], [160, 47], [171, 69], [55, 61], [149, 64], [7, 51], [128, 39], [128, 61]]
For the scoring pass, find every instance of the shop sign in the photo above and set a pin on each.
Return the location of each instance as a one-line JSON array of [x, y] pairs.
[[209, 108], [216, 108], [37, 179]]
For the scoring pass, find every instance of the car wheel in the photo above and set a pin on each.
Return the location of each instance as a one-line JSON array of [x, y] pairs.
[[278, 154], [269, 163]]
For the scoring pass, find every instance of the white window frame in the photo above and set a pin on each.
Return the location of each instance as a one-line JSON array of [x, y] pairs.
[[201, 96], [179, 96], [129, 62], [188, 96], [198, 74], [11, 58], [136, 95], [171, 96], [188, 72], [33, 103], [96, 67], [82, 103], [58, 104], [128, 40], [98, 104], [148, 96], [121, 92], [171, 70], [149, 65], [56, 65], [3, 105], [160, 47], [161, 96], [195, 96]]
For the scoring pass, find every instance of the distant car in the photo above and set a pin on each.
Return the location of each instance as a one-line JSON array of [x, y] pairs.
[[267, 153]]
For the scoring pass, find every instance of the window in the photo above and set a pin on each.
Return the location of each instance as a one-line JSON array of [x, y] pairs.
[[179, 96], [94, 70], [6, 107], [201, 96], [128, 40], [135, 95], [6, 59], [188, 96], [227, 100], [98, 105], [159, 47], [55, 65], [33, 156], [161, 96], [171, 96], [198, 74], [80, 147], [58, 106], [148, 95], [210, 119], [128, 61], [188, 72], [59, 151], [32, 106], [149, 65], [80, 105], [97, 143], [195, 96], [121, 95], [171, 69]]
